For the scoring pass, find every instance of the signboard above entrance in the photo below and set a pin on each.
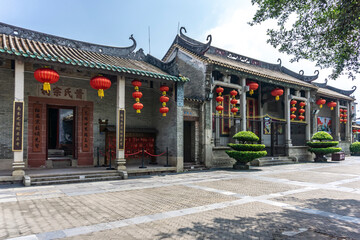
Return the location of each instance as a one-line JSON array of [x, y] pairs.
[[63, 92]]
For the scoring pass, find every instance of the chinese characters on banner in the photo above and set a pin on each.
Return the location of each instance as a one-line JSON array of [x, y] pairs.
[[64, 93], [18, 124], [85, 129], [37, 128], [121, 129]]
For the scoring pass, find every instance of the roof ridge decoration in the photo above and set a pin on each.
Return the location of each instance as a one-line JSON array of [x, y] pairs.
[[191, 44], [169, 67], [341, 91], [70, 43]]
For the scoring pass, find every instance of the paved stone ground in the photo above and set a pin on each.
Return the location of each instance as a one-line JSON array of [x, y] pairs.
[[298, 201]]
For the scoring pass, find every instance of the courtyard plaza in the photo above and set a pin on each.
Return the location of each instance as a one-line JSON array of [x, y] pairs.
[[297, 201]]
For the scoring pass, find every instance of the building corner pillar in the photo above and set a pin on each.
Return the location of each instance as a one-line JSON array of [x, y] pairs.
[[308, 117], [287, 99], [120, 126], [18, 164], [243, 104]]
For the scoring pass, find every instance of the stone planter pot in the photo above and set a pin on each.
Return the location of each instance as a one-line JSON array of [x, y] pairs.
[[320, 158], [241, 166]]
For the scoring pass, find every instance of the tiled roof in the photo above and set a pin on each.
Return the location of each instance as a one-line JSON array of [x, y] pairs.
[[27, 48], [332, 94], [255, 70]]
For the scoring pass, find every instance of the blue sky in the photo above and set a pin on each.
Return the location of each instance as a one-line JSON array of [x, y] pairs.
[[111, 22]]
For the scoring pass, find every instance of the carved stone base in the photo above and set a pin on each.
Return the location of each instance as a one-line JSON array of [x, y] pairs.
[[18, 169], [121, 167]]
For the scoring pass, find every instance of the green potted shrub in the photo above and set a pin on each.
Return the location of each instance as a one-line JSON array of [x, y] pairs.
[[355, 149], [245, 151], [321, 145]]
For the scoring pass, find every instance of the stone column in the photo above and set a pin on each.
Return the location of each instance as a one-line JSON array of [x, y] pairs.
[[287, 118], [243, 104], [120, 104], [208, 134], [336, 128], [261, 113], [308, 116], [348, 124], [180, 126], [18, 163]]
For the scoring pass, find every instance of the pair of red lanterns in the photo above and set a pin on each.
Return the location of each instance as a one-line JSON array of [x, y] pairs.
[[343, 115], [49, 76], [220, 99], [301, 110], [322, 101], [356, 131]]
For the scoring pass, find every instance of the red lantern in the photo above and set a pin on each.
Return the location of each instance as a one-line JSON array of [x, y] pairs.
[[164, 110], [46, 76], [341, 120], [100, 83], [341, 110], [138, 106], [233, 93], [277, 92], [321, 102], [345, 110], [219, 90], [301, 110], [354, 130], [358, 130], [219, 108], [345, 120], [301, 117], [345, 115], [292, 116], [293, 103], [341, 115], [234, 101], [293, 109], [234, 110], [331, 105], [137, 95], [219, 99], [164, 99], [302, 104], [252, 87]]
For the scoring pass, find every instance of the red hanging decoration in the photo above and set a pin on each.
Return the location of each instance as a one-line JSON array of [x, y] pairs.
[[321, 102], [292, 116], [137, 95], [138, 106], [293, 109], [301, 110], [293, 103], [252, 87], [234, 109], [164, 99], [331, 105], [302, 104], [100, 83], [358, 130], [219, 99], [354, 130], [341, 110], [345, 110], [301, 117], [277, 92], [46, 76], [341, 115]]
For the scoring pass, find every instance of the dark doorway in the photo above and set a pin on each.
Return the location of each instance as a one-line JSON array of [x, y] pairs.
[[189, 141], [61, 132]]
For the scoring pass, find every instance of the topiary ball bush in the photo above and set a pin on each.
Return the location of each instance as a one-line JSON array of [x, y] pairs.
[[322, 146], [246, 136], [322, 136], [355, 147], [246, 151]]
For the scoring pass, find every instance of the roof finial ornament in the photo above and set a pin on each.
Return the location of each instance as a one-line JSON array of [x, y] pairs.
[[279, 61], [181, 29], [326, 80], [209, 38], [316, 72], [354, 88], [301, 72]]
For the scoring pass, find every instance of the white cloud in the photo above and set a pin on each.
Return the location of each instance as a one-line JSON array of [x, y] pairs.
[[234, 34]]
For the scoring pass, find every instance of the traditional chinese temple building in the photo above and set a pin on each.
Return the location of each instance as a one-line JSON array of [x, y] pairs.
[[229, 92], [89, 97]]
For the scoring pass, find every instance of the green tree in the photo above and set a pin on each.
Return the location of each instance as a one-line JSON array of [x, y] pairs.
[[325, 31]]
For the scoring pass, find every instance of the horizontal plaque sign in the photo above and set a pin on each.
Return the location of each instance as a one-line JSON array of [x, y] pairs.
[[63, 92]]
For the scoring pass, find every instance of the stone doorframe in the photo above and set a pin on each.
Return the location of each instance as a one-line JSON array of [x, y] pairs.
[[37, 153]]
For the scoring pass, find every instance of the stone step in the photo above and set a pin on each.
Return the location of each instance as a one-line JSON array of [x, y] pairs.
[[70, 177], [269, 161], [194, 167], [66, 181], [85, 172]]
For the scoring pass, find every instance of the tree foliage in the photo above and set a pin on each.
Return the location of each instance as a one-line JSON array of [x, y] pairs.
[[325, 31]]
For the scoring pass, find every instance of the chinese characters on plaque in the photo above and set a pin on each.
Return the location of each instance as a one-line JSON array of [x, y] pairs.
[[18, 124], [37, 128], [121, 129], [85, 129], [63, 92]]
